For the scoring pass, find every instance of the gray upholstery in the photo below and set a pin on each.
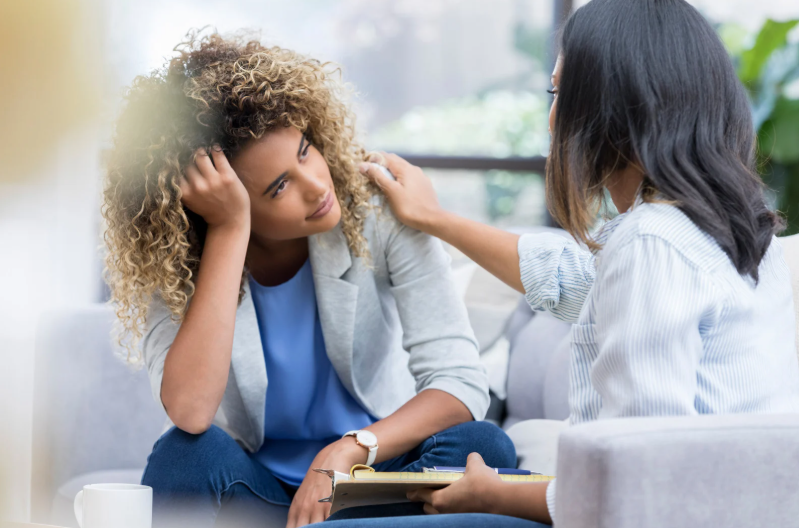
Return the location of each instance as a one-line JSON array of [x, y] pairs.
[[91, 412], [538, 372], [699, 471], [536, 443]]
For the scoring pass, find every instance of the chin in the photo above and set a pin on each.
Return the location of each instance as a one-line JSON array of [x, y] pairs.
[[330, 220]]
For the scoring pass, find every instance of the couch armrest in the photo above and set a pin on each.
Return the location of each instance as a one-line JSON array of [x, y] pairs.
[[697, 471]]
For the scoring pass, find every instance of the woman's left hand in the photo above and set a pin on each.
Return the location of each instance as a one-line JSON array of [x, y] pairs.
[[306, 508], [471, 494]]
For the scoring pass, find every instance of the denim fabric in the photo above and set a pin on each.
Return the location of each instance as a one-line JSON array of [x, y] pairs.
[[460, 520], [197, 477]]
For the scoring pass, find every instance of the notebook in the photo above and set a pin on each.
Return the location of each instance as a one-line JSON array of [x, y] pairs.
[[366, 487]]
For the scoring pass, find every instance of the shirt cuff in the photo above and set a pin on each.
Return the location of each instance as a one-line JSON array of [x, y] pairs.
[[551, 499], [473, 396], [538, 264]]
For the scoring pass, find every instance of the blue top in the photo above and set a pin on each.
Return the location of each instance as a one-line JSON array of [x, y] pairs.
[[665, 324], [307, 407]]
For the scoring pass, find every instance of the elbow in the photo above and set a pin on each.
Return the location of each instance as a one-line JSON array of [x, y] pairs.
[[188, 418], [193, 426]]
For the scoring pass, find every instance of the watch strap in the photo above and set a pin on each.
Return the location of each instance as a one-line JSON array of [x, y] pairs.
[[370, 459], [371, 451]]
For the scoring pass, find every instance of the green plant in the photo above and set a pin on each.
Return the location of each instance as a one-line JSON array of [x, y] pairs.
[[769, 68]]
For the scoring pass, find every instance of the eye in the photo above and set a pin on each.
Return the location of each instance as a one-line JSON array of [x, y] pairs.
[[553, 91], [304, 153], [280, 188]]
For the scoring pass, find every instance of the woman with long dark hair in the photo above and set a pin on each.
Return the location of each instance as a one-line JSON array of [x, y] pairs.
[[682, 303]]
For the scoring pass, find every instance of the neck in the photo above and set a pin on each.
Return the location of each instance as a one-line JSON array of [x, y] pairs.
[[273, 262], [624, 185]]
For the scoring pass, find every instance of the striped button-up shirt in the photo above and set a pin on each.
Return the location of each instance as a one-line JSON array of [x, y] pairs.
[[665, 325]]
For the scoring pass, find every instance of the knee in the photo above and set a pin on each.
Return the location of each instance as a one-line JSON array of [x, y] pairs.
[[182, 462], [489, 441]]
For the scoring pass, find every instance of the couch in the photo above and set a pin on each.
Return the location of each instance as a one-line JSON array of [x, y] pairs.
[[95, 421]]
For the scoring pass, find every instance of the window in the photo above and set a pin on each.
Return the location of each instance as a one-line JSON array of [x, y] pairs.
[[440, 80]]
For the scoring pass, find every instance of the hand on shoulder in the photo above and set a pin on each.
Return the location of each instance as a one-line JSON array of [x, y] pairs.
[[411, 194]]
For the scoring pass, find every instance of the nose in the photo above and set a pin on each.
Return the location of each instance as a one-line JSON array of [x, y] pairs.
[[314, 187]]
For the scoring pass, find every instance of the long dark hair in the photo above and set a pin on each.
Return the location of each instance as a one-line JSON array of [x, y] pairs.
[[649, 82]]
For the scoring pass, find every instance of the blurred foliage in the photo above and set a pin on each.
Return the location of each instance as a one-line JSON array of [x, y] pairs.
[[532, 42], [768, 65], [497, 123]]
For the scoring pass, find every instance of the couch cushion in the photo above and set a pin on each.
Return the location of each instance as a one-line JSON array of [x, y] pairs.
[[688, 471], [536, 443], [532, 351]]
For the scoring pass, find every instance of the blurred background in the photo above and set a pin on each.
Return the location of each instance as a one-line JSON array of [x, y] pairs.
[[458, 86]]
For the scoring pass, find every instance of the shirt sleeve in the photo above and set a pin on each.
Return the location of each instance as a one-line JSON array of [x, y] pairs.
[[556, 273], [650, 303], [551, 492], [435, 324], [159, 334]]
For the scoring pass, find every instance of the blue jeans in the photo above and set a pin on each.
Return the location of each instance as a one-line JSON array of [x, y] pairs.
[[198, 480]]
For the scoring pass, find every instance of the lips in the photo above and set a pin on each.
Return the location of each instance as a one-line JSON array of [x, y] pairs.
[[324, 207]]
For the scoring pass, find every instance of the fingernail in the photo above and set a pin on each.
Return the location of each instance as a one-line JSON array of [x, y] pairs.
[[217, 148], [364, 168]]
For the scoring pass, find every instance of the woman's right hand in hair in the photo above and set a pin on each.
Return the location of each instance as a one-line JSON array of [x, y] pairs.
[[411, 196], [211, 188], [197, 366]]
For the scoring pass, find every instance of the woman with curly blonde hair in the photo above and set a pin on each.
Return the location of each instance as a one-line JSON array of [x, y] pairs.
[[244, 245]]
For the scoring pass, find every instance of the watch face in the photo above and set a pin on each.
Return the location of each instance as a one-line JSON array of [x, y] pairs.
[[367, 438]]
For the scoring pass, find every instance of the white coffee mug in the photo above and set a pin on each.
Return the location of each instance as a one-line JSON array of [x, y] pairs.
[[114, 506]]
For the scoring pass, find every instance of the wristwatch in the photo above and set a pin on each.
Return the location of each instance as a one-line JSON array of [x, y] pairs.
[[368, 440]]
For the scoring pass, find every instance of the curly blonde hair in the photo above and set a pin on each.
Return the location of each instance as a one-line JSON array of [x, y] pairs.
[[216, 90]]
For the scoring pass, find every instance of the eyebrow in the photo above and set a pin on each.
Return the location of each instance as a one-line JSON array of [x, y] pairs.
[[283, 176]]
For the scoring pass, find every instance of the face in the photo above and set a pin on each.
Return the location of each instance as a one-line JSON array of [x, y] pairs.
[[554, 92], [290, 187]]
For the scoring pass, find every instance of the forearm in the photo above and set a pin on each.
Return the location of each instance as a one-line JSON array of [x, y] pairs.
[[523, 500], [197, 365], [492, 249], [429, 412]]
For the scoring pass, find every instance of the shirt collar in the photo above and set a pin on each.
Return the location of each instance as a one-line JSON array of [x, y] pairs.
[[604, 233]]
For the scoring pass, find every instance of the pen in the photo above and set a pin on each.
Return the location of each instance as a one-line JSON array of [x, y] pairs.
[[500, 471]]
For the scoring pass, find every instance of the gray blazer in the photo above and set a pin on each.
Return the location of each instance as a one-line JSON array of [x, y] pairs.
[[392, 328]]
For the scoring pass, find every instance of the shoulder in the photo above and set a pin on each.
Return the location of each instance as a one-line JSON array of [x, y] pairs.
[[394, 245], [380, 222], [382, 229], [667, 229]]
